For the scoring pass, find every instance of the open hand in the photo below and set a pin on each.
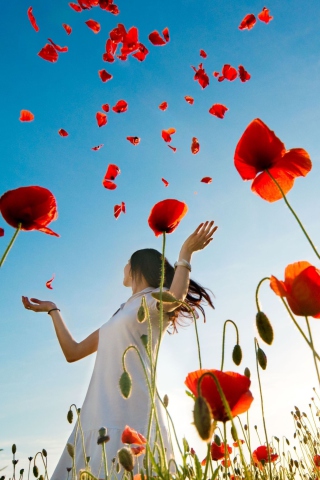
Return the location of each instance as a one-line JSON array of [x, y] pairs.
[[37, 305], [200, 238]]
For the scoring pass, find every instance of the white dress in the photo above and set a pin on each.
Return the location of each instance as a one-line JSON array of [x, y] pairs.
[[104, 405]]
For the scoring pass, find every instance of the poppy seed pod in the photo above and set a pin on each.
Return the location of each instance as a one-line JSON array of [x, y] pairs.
[[141, 315], [217, 440], [203, 418], [41, 477], [118, 467], [44, 452], [126, 458], [262, 358], [70, 416], [103, 439], [125, 384], [102, 431], [166, 400], [144, 340], [14, 448], [264, 328], [21, 471], [70, 449], [237, 354], [247, 372], [35, 471]]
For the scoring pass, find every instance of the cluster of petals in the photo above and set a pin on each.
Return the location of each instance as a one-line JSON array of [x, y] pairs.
[[234, 386], [261, 456], [301, 288], [217, 452], [156, 39], [107, 5], [111, 174], [33, 207], [117, 209], [230, 73], [201, 76], [50, 51], [32, 19], [130, 44], [166, 215], [130, 437], [26, 116], [49, 283], [218, 110], [259, 151], [250, 20]]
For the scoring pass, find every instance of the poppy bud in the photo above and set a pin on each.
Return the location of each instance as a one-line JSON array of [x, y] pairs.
[[30, 458], [102, 431], [217, 440], [247, 372], [144, 340], [70, 449], [118, 468], [167, 297], [203, 418], [264, 328], [185, 445], [262, 358], [35, 471], [126, 458], [14, 448], [233, 434], [70, 416], [21, 471], [44, 452], [125, 384], [141, 315], [41, 477], [237, 354], [166, 400], [78, 410], [15, 462], [69, 469], [88, 459]]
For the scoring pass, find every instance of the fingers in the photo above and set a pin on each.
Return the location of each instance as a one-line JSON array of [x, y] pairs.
[[30, 306]]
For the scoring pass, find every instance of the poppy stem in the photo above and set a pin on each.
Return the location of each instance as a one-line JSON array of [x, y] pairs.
[[294, 214], [4, 256], [312, 347], [225, 449], [196, 329], [224, 338], [257, 292], [207, 462]]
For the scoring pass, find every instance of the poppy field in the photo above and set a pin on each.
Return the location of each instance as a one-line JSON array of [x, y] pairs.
[[109, 110]]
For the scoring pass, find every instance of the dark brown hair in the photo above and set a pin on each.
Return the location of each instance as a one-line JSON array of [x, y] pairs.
[[147, 263]]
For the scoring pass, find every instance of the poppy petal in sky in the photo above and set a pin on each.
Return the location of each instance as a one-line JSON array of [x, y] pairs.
[[248, 22], [49, 282], [141, 53], [166, 215], [1, 232], [243, 74], [105, 107], [97, 147], [63, 133], [67, 28], [165, 33], [173, 148], [228, 73], [195, 146], [117, 209], [109, 184], [163, 106], [218, 110], [155, 37], [201, 76], [134, 140], [76, 7], [32, 19], [166, 134], [26, 116], [216, 74], [265, 16], [112, 172], [101, 119], [120, 107], [93, 25], [206, 179], [166, 183], [104, 75], [57, 47], [189, 99], [203, 54], [49, 53]]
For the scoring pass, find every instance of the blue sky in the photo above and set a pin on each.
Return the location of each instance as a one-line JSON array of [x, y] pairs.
[[254, 239]]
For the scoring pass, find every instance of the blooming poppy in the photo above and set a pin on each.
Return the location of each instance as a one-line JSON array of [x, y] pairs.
[[134, 140], [67, 28], [104, 75], [132, 436], [203, 54], [265, 16], [166, 215], [166, 183], [189, 99], [166, 134], [201, 76], [97, 147], [32, 19], [49, 282], [57, 47], [63, 133], [49, 53], [243, 74], [173, 148], [301, 288], [259, 151], [112, 172], [163, 106], [34, 207], [26, 116], [156, 39], [1, 232], [118, 209], [101, 119], [195, 146], [234, 386], [105, 107], [248, 22], [206, 180], [93, 25], [260, 456], [120, 106], [217, 451], [75, 7], [228, 73], [218, 110]]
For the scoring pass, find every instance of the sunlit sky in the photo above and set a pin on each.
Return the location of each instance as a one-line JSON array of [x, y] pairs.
[[255, 238]]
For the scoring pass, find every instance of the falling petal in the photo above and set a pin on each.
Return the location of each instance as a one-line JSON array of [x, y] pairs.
[[248, 22], [67, 28], [1, 232], [189, 99], [32, 19], [166, 183], [49, 282], [166, 134], [216, 74], [206, 180], [123, 207], [117, 211], [203, 54], [101, 119], [173, 148], [97, 147], [163, 106], [265, 16], [75, 7], [93, 25], [120, 107], [49, 53], [109, 184], [141, 53], [63, 133], [26, 116], [201, 76], [218, 110], [195, 147], [243, 74], [57, 47], [165, 33], [104, 75], [156, 39], [105, 107], [229, 73], [134, 140]]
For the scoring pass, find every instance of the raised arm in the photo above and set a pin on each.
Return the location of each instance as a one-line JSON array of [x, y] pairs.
[[73, 351], [198, 240]]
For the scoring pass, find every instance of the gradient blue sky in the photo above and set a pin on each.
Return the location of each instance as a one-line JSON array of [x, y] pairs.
[[255, 238]]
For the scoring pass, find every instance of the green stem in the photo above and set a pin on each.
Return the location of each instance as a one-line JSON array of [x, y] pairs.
[[294, 214], [105, 463], [224, 338], [207, 462], [225, 450], [312, 348], [196, 329], [172, 424], [257, 291], [161, 304], [4, 256]]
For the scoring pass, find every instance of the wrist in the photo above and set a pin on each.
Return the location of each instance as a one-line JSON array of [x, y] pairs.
[[185, 255]]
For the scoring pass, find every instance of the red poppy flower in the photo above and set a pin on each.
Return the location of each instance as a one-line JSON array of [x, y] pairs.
[[172, 148], [189, 99], [75, 7], [260, 456], [217, 451], [49, 53], [118, 209], [104, 75], [57, 47], [1, 232], [120, 106], [166, 215], [97, 147], [26, 116], [49, 282], [112, 172], [234, 386], [67, 28], [131, 436], [93, 25], [63, 133], [141, 53], [259, 150], [195, 146], [248, 22], [265, 16], [156, 39], [139, 450], [32, 19], [34, 207], [301, 288], [166, 134], [206, 180], [134, 140], [166, 183], [218, 110], [201, 76], [163, 106], [203, 54], [316, 460], [228, 73], [243, 74], [101, 119]]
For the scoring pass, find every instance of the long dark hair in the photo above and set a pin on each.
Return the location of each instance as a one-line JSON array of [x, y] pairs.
[[147, 263]]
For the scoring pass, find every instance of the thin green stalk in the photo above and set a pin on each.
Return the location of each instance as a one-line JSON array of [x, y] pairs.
[[172, 424], [207, 462], [7, 250], [294, 214], [312, 348], [225, 450], [196, 330], [105, 463], [224, 338], [82, 439], [161, 304], [257, 292]]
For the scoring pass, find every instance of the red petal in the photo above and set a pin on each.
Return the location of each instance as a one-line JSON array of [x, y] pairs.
[[1, 232], [93, 25], [101, 119], [97, 147], [112, 172], [48, 52], [117, 211], [229, 73], [248, 22], [137, 451], [113, 9], [216, 74], [105, 107], [134, 140], [109, 185], [265, 16], [108, 57], [206, 179], [166, 183], [218, 110], [32, 19], [123, 207], [172, 148], [104, 75], [132, 436], [165, 33], [26, 116], [130, 41], [63, 133], [264, 186], [243, 74], [163, 106], [166, 134], [120, 107], [278, 287], [203, 54], [75, 7], [142, 53], [195, 147], [295, 162], [67, 28], [189, 99], [49, 282], [57, 47], [118, 33], [165, 216], [201, 76], [156, 39]]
